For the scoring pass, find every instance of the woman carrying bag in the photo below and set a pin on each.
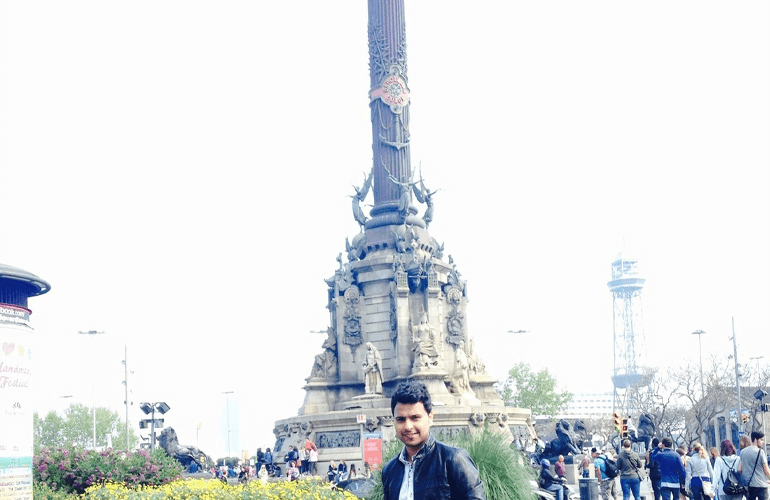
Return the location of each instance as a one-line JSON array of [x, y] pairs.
[[726, 465], [699, 474]]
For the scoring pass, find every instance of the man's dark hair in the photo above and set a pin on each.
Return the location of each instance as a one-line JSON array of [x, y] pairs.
[[668, 443], [655, 442], [411, 392], [757, 435]]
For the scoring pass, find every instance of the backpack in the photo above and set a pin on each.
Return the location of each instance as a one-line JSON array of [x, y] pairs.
[[610, 467], [733, 484]]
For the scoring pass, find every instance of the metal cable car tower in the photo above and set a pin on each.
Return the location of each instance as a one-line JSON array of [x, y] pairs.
[[627, 330]]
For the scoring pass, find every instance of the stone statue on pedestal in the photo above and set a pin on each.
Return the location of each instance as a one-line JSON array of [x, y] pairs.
[[425, 351], [461, 380], [325, 365], [372, 370]]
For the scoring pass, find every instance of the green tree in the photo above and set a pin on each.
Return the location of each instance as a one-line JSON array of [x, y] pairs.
[[525, 388], [75, 429]]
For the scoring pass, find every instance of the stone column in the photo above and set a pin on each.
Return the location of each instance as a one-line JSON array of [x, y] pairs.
[[389, 96]]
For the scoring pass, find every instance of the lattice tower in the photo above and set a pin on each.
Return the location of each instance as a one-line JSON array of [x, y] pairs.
[[628, 368]]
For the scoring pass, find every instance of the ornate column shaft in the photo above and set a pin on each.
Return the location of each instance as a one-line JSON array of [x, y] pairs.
[[389, 95]]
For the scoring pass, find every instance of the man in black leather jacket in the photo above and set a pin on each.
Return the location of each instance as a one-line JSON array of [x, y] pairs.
[[426, 469]]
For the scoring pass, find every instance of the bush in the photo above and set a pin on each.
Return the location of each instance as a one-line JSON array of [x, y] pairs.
[[72, 471], [195, 489], [43, 492], [504, 471]]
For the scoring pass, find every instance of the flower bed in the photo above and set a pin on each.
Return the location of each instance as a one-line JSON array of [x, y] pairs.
[[202, 489], [72, 471]]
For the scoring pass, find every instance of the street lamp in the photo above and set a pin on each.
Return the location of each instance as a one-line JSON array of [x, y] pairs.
[[229, 453], [700, 357], [93, 383], [759, 396], [151, 408]]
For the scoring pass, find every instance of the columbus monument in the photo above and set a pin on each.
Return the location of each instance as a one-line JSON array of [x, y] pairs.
[[397, 308]]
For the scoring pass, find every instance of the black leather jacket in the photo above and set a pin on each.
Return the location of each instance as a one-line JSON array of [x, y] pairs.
[[441, 472]]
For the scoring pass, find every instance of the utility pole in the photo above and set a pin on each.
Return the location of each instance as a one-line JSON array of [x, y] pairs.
[[700, 357], [125, 382], [93, 383], [737, 377], [229, 453]]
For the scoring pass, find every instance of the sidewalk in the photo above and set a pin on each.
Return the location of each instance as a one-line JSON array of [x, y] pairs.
[[645, 489]]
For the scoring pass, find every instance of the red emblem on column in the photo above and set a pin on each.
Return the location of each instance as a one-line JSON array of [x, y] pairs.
[[393, 92]]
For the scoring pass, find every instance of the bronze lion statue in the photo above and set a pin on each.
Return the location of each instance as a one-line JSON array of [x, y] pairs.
[[186, 455], [561, 442]]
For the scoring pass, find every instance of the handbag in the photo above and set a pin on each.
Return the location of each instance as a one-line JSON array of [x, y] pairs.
[[708, 488]]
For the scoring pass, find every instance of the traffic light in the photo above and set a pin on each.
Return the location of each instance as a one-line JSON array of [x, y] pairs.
[[624, 429], [745, 418], [616, 422]]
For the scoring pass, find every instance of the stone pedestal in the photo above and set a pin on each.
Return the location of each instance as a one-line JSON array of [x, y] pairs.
[[571, 473]]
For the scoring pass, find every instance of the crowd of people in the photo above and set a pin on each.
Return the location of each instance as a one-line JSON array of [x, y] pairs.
[[303, 462], [698, 473]]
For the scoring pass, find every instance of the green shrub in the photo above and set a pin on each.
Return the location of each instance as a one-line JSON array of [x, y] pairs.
[[504, 471], [72, 471], [43, 492]]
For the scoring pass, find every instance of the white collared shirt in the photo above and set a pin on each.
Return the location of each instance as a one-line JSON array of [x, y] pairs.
[[407, 484]]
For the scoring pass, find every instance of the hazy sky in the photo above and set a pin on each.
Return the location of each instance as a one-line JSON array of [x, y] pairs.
[[178, 171]]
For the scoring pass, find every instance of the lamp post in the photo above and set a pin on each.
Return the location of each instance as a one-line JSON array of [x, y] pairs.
[[229, 453], [93, 384], [700, 357], [151, 408], [737, 376], [760, 396]]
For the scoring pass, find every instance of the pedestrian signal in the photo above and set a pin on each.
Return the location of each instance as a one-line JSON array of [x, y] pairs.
[[624, 429]]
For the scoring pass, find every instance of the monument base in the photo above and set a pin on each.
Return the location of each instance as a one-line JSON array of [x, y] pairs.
[[337, 434]]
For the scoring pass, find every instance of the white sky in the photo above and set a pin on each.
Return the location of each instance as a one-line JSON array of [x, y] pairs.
[[178, 171]]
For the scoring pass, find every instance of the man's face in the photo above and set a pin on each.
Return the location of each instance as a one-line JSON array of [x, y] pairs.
[[412, 425], [760, 443]]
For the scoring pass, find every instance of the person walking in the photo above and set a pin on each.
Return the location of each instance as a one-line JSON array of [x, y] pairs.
[[714, 454], [672, 475], [630, 466], [607, 485], [585, 465], [560, 467], [653, 467], [743, 442], [724, 464], [699, 472], [753, 467]]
